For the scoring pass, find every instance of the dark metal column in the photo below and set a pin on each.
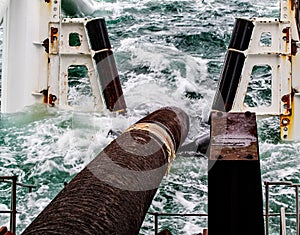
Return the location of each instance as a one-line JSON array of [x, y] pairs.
[[113, 193], [235, 202], [233, 65], [106, 66]]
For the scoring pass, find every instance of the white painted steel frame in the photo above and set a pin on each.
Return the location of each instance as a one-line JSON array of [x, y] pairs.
[[27, 69], [285, 69]]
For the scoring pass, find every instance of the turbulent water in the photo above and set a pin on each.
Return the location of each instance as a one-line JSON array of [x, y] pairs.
[[168, 53]]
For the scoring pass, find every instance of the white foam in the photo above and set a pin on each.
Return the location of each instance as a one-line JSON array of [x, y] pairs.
[[65, 142]]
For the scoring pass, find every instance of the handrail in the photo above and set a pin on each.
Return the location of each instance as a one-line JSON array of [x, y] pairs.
[[266, 215], [13, 209], [281, 183], [156, 215], [13, 201], [29, 186]]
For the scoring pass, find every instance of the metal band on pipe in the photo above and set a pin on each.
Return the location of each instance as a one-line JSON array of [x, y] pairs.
[[160, 133]]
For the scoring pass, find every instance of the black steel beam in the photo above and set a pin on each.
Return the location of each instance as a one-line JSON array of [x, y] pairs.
[[235, 202]]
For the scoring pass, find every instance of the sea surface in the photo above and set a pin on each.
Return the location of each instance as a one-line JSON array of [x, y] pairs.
[[167, 52]]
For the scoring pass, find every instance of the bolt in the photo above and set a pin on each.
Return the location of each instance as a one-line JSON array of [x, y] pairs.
[[248, 114], [285, 121], [220, 157], [249, 156]]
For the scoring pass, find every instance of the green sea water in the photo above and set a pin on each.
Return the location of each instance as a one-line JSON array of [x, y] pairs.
[[168, 53]]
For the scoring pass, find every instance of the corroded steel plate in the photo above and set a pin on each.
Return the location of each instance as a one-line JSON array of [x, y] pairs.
[[233, 136]]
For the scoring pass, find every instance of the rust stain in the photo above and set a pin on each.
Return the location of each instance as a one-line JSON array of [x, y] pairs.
[[54, 40], [286, 31], [49, 5], [52, 99], [54, 34], [292, 4], [286, 99], [286, 122], [45, 94], [233, 136]]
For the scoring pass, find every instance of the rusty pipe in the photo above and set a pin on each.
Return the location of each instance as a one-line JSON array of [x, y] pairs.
[[113, 193]]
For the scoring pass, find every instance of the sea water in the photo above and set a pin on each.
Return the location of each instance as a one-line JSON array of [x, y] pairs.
[[167, 52]]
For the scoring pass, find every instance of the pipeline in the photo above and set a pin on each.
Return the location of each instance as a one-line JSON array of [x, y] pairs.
[[113, 193]]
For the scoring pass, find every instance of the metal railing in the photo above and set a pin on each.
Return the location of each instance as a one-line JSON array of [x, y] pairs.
[[13, 207], [267, 204], [282, 214], [156, 215], [13, 200]]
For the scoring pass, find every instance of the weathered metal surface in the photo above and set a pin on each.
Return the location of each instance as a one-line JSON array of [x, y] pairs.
[[274, 55], [64, 54], [54, 40], [113, 193], [235, 202], [74, 26], [50, 53], [233, 136]]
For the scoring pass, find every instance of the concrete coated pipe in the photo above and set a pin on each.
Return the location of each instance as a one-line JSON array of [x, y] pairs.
[[113, 193]]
